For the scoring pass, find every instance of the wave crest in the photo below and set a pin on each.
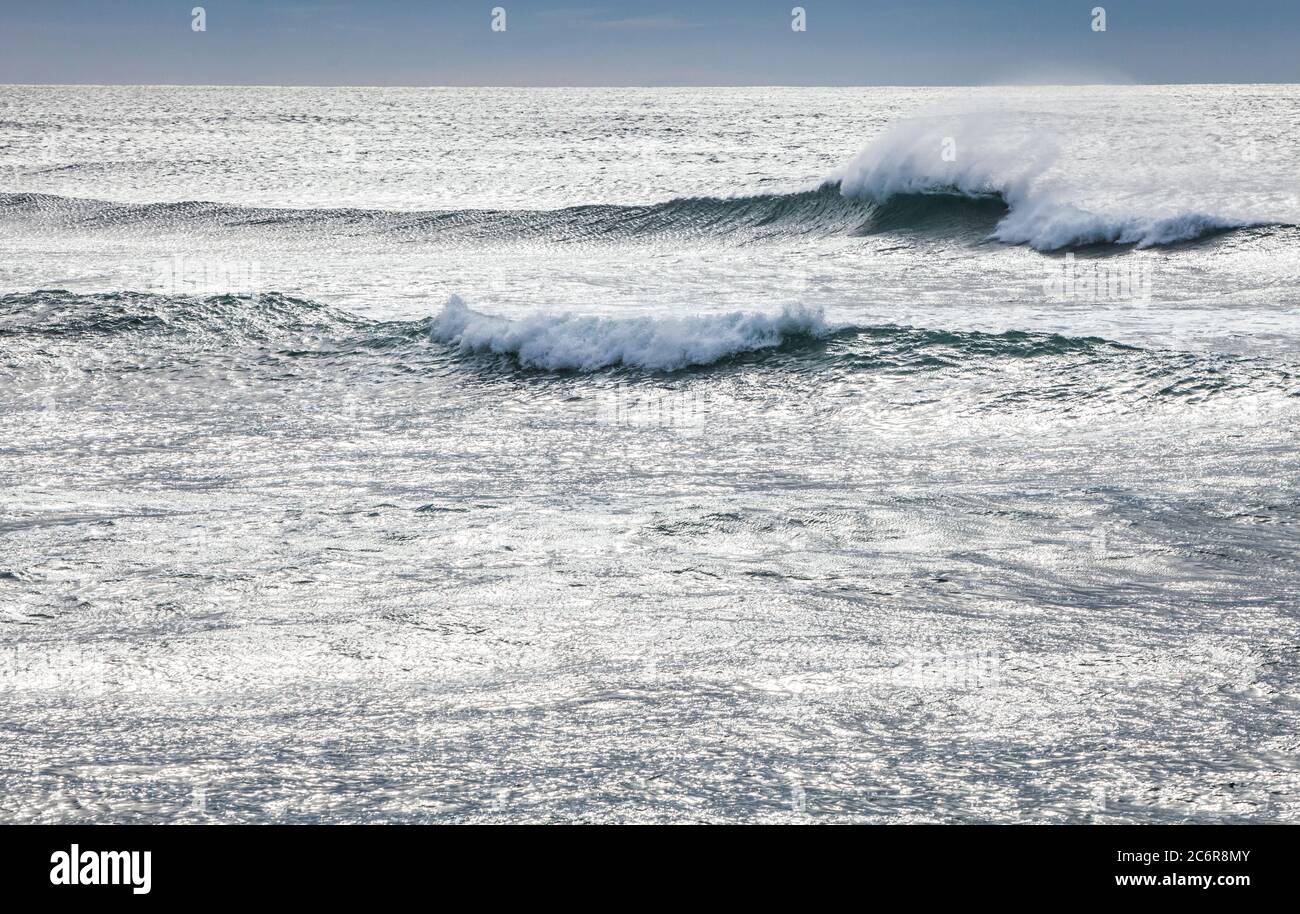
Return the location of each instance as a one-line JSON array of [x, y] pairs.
[[582, 343], [972, 157]]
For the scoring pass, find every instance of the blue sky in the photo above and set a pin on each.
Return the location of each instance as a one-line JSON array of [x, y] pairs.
[[706, 42]]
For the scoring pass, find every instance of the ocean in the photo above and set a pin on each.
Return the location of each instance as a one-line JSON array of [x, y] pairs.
[[649, 455]]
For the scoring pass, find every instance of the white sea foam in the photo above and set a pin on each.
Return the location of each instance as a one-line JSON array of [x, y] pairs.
[[586, 343], [1062, 186]]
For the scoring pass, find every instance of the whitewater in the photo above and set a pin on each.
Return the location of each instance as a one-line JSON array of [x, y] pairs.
[[649, 455], [1149, 187]]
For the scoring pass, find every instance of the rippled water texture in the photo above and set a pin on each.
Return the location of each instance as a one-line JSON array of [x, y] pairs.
[[649, 455]]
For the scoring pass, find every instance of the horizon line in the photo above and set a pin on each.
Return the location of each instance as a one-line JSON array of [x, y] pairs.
[[990, 85]]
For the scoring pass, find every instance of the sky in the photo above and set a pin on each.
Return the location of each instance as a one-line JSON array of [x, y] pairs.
[[620, 43]]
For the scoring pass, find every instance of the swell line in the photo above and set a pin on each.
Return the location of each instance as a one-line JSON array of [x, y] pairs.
[[939, 212]]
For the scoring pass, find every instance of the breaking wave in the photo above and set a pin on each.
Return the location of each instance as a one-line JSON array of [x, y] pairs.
[[970, 158], [287, 337], [581, 343]]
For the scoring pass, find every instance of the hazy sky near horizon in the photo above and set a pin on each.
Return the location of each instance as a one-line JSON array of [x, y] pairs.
[[707, 42]]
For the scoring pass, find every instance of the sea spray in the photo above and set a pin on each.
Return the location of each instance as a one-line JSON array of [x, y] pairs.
[[1057, 198]]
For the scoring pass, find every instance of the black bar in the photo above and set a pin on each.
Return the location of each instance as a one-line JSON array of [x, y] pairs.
[[327, 862]]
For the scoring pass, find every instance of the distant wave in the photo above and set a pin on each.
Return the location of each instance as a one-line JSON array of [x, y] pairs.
[[855, 204], [823, 212]]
